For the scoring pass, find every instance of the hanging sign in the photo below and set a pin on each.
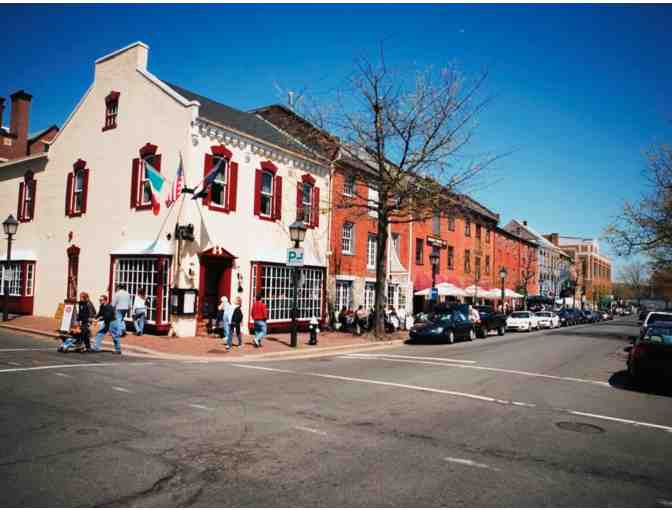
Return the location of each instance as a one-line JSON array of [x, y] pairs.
[[295, 256]]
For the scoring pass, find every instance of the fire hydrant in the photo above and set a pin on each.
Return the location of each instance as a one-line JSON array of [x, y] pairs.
[[314, 330]]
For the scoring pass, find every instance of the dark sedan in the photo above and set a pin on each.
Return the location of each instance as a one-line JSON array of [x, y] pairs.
[[651, 354], [447, 327]]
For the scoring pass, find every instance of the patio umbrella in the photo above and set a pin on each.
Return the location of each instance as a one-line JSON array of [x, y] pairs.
[[476, 291], [444, 289]]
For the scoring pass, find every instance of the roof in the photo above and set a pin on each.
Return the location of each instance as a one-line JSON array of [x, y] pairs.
[[515, 235], [245, 122], [35, 136], [514, 225], [479, 208], [24, 159]]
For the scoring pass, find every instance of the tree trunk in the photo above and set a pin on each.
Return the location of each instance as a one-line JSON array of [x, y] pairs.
[[381, 273]]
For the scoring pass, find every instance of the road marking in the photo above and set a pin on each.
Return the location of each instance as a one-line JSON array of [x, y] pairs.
[[82, 365], [365, 355], [14, 364], [26, 349], [198, 406], [467, 462], [119, 388], [492, 369], [457, 394], [61, 374], [313, 431]]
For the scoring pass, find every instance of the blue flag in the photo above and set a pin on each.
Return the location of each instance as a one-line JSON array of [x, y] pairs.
[[208, 180]]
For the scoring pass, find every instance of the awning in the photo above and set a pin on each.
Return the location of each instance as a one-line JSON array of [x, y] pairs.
[[444, 289], [475, 291], [145, 248], [19, 255]]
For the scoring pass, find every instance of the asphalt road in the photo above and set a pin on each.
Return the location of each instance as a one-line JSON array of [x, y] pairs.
[[524, 420]]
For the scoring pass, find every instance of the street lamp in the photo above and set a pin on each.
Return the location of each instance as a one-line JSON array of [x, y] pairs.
[[434, 260], [502, 277], [10, 226], [297, 233]]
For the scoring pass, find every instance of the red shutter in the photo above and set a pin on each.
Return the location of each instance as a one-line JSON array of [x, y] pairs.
[[207, 166], [316, 207], [68, 195], [157, 163], [299, 201], [85, 189], [19, 209], [257, 192], [135, 178], [32, 203], [233, 185], [277, 197]]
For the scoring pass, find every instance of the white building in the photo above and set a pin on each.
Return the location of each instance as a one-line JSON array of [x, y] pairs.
[[86, 214]]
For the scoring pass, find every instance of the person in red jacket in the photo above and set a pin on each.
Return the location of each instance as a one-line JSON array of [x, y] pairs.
[[259, 316]]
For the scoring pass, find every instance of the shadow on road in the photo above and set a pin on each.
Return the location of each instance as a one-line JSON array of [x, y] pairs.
[[622, 381], [595, 333]]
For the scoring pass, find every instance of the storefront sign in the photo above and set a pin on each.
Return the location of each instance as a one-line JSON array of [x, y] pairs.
[[435, 241], [295, 257]]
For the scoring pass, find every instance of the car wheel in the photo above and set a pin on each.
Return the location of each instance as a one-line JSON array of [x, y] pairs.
[[501, 331], [635, 378], [451, 337], [472, 335], [481, 333]]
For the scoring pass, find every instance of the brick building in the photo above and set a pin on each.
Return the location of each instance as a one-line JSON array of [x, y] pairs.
[[518, 256]]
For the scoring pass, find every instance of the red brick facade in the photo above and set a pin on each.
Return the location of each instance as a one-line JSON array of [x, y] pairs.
[[519, 257], [14, 142]]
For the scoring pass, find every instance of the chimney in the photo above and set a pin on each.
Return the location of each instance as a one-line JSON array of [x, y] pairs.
[[555, 239], [525, 223], [2, 109], [18, 122]]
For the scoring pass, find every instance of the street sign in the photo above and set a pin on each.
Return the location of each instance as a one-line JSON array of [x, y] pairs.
[[434, 296], [295, 256]]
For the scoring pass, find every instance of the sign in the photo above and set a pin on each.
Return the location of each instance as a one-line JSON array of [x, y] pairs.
[[66, 320], [434, 295], [59, 312], [435, 241], [295, 256]]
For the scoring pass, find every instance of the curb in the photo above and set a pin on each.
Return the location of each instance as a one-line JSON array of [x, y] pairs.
[[301, 353]]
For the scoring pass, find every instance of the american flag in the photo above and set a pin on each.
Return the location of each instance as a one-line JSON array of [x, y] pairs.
[[176, 188]]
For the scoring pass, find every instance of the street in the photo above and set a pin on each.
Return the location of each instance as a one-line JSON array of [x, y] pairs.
[[524, 420]]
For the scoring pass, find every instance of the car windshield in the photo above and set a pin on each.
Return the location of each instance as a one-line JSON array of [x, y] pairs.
[[659, 317], [520, 315], [544, 314], [659, 335]]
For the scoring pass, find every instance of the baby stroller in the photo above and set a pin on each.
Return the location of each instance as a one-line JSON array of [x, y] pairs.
[[72, 341]]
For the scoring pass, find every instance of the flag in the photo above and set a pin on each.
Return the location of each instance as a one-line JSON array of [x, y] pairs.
[[156, 181], [208, 180], [176, 188]]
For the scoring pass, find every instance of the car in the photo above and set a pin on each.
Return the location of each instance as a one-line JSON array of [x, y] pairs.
[[651, 355], [549, 320], [654, 317], [490, 320], [522, 321], [642, 315], [566, 317], [447, 327], [606, 316], [588, 316]]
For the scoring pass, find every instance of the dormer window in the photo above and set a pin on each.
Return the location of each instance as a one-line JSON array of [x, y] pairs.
[[111, 110]]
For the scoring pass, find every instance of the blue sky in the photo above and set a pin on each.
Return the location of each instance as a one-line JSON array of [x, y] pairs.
[[580, 90]]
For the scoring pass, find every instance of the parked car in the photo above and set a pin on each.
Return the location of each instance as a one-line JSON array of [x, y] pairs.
[[606, 316], [522, 321], [588, 316], [651, 355], [654, 317], [548, 320], [566, 317], [490, 321], [444, 327], [642, 315]]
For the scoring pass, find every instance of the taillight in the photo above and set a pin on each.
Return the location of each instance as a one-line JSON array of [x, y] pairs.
[[639, 351]]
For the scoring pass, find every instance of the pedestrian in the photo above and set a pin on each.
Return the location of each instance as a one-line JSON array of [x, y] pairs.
[[107, 314], [236, 320], [85, 313], [139, 311], [259, 316], [361, 320], [121, 301], [225, 311], [342, 319], [474, 316], [394, 319]]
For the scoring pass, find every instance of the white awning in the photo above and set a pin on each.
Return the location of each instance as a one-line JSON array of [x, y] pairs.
[[19, 255], [145, 248], [444, 289], [476, 291]]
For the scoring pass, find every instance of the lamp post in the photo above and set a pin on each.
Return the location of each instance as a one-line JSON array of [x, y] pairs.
[[502, 276], [434, 260], [10, 226], [297, 233]]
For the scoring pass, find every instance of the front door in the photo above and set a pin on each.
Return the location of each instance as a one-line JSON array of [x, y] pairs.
[[216, 282]]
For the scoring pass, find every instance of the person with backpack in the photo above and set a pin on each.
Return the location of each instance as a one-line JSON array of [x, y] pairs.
[[236, 320], [107, 314], [85, 313]]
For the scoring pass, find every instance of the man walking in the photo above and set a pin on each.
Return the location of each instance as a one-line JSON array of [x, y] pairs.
[[106, 313], [121, 302], [259, 316]]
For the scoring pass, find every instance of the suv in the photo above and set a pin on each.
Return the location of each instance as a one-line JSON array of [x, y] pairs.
[[654, 317]]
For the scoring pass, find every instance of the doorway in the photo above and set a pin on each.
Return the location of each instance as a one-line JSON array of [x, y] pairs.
[[215, 282]]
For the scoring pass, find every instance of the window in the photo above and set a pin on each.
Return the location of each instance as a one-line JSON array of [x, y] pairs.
[[436, 225], [76, 191], [27, 189], [274, 282], [419, 247], [477, 266], [451, 257], [73, 273], [371, 252], [396, 243], [343, 295], [111, 110], [487, 264], [347, 238], [220, 186], [373, 202], [30, 278], [467, 228], [369, 295], [150, 273], [266, 208], [222, 192], [467, 261], [308, 201], [451, 224], [487, 235], [141, 191], [11, 278], [478, 231], [349, 186]]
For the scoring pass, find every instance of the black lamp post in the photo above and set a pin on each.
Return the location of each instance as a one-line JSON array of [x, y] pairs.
[[502, 277], [434, 260], [10, 226], [297, 233]]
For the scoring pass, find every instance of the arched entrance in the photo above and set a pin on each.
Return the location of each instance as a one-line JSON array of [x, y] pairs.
[[216, 265]]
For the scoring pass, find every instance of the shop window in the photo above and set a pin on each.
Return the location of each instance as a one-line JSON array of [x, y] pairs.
[[369, 295], [151, 273], [343, 295]]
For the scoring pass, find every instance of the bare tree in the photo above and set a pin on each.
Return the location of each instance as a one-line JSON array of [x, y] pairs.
[[646, 227], [635, 278], [403, 134]]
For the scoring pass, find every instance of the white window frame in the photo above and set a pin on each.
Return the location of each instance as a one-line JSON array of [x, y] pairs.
[[144, 182], [371, 249], [75, 191], [27, 200], [267, 194], [135, 272], [349, 186], [307, 205], [221, 179], [369, 295], [348, 238], [343, 295], [30, 278], [373, 202], [15, 282]]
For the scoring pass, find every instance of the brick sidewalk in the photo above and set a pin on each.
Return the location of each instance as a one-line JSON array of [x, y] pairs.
[[211, 346]]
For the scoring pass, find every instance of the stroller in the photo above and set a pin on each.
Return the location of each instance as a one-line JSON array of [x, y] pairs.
[[72, 341]]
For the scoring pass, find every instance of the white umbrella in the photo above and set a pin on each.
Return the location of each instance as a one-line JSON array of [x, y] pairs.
[[512, 294], [492, 294], [444, 289], [473, 290]]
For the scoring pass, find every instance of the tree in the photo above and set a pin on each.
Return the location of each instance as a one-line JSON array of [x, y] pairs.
[[645, 227], [635, 279], [527, 274], [404, 135]]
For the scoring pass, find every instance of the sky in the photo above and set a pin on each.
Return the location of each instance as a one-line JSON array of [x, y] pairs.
[[579, 92]]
